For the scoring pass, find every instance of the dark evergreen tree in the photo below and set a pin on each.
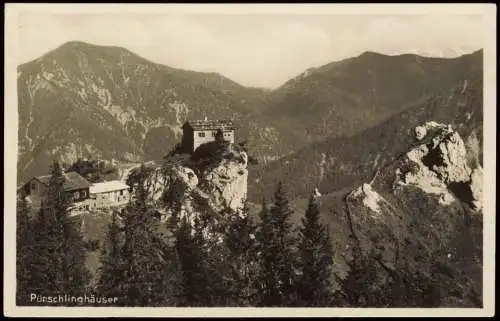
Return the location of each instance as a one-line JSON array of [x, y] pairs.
[[221, 285], [93, 170], [111, 278], [190, 247], [219, 136], [145, 255], [58, 263], [361, 286], [24, 250], [240, 242], [276, 276], [314, 287], [169, 284]]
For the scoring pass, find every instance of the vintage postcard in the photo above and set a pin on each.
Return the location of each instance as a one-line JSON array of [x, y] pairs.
[[249, 160]]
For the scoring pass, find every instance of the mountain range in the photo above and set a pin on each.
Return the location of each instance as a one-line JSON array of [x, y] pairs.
[[342, 161], [82, 100], [390, 145]]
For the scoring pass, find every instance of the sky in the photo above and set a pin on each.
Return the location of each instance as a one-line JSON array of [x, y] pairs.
[[252, 49]]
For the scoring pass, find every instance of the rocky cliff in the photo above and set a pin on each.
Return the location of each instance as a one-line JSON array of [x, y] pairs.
[[203, 186], [420, 216]]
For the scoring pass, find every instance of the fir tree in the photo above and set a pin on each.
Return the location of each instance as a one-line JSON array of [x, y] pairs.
[[361, 288], [276, 274], [240, 243], [169, 283], [190, 247], [58, 265], [315, 260], [111, 277], [24, 251], [221, 286], [144, 254]]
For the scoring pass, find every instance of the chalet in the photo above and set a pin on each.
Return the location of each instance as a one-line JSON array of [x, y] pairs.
[[108, 194], [197, 132], [75, 186]]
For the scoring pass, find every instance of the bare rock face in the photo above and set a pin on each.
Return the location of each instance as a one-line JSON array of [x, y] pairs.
[[422, 176], [227, 182], [420, 132], [187, 176], [221, 185], [454, 167], [369, 197], [439, 165]]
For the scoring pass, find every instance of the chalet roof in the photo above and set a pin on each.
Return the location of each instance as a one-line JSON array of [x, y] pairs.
[[105, 187], [211, 124], [73, 181]]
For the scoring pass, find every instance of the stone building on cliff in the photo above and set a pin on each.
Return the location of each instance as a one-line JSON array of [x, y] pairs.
[[198, 132]]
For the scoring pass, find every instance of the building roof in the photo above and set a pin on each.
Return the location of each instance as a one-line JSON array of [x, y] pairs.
[[105, 187], [73, 181], [211, 124]]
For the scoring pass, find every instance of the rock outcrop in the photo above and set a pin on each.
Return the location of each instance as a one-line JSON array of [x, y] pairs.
[[220, 185], [432, 176], [424, 207], [439, 166], [227, 182]]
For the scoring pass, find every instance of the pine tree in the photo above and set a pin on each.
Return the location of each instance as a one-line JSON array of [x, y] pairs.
[[240, 243], [276, 274], [144, 254], [190, 247], [315, 260], [169, 282], [58, 265], [111, 270], [360, 288], [24, 252], [221, 286]]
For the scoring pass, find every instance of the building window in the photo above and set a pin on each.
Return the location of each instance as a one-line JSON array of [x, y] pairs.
[[83, 194], [33, 187], [121, 193], [201, 134], [76, 195]]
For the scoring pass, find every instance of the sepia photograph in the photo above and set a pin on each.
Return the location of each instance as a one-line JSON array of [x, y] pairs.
[[323, 159]]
